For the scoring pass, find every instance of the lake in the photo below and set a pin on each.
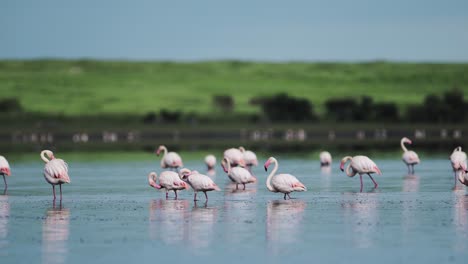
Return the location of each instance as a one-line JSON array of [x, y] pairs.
[[109, 214]]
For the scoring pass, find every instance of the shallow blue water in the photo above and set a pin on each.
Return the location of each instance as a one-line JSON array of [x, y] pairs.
[[110, 214]]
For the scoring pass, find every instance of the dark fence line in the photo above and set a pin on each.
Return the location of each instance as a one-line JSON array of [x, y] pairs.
[[269, 138]]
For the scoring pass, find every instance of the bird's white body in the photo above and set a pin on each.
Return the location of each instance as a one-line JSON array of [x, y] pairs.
[[4, 166], [250, 158], [169, 159], [238, 175], [283, 183], [459, 166], [360, 165], [198, 182], [325, 158], [168, 180], [234, 156], [55, 171], [409, 157], [210, 161]]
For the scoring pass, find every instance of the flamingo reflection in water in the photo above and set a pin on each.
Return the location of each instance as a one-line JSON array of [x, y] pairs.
[[460, 216], [4, 215], [167, 220], [201, 228], [55, 233], [360, 210], [284, 223]]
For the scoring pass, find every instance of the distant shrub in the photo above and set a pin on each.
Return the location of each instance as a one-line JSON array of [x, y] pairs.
[[386, 112], [282, 107], [150, 118], [349, 109], [341, 109], [169, 117], [225, 103], [10, 105]]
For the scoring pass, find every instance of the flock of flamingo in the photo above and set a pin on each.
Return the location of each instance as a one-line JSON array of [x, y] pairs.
[[237, 164]]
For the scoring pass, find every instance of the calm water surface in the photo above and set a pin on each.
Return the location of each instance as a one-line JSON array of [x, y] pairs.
[[110, 214]]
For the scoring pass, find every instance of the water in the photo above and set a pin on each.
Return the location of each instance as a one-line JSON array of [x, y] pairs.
[[110, 214]]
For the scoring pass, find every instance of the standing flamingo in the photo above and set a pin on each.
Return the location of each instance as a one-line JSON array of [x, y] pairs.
[[238, 175], [235, 157], [325, 159], [198, 182], [410, 158], [283, 183], [55, 171], [249, 157], [360, 165], [458, 161], [170, 160], [4, 170], [210, 161], [168, 180]]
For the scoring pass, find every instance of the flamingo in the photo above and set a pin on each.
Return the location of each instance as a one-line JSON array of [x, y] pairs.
[[4, 170], [238, 175], [170, 160], [168, 180], [458, 161], [55, 171], [463, 177], [283, 183], [410, 158], [235, 157], [249, 157], [198, 182], [210, 161], [360, 165], [325, 159]]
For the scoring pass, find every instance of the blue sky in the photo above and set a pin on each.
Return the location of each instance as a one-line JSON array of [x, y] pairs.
[[314, 30]]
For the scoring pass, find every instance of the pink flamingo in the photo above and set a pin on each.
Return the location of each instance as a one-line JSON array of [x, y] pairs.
[[283, 183], [4, 170], [410, 158], [325, 159], [238, 175], [55, 171], [458, 161], [210, 161], [360, 165], [235, 157], [168, 180], [198, 182], [170, 160], [249, 157]]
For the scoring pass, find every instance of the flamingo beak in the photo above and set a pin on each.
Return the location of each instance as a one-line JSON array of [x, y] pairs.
[[410, 142], [342, 166], [157, 152], [267, 163]]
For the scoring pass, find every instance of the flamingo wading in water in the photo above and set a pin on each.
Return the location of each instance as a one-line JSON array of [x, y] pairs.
[[250, 158], [235, 157], [170, 160], [458, 162], [168, 180], [360, 165], [238, 175], [325, 159], [4, 170], [410, 158], [210, 161], [55, 171], [198, 182], [283, 183]]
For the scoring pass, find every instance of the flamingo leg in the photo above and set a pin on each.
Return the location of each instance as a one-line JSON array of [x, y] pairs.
[[195, 196], [237, 186], [289, 196], [409, 170], [285, 196], [175, 192], [375, 183], [360, 176], [53, 191], [206, 195], [244, 185], [60, 192], [167, 194], [6, 185]]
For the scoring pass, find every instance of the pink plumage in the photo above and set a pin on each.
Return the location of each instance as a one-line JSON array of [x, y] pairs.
[[198, 182], [170, 160], [4, 170], [410, 158], [283, 183], [234, 156], [459, 165], [55, 171], [168, 180], [238, 175], [360, 165]]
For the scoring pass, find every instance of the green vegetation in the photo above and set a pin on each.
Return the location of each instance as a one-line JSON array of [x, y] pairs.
[[85, 87]]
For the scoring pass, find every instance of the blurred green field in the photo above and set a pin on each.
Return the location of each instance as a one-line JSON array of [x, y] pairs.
[[106, 87]]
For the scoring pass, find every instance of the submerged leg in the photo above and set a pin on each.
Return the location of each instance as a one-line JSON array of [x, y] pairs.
[[53, 191], [284, 196], [175, 192], [375, 184], [409, 169], [6, 185], [60, 192], [360, 176], [244, 185], [206, 195], [237, 186], [195, 196], [289, 196], [167, 194]]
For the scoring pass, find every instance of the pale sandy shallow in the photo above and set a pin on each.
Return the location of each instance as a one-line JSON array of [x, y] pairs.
[[110, 215]]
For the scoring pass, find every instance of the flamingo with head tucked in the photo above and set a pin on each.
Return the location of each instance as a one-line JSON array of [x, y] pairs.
[[238, 175], [210, 161], [410, 158], [235, 157], [170, 160], [325, 159], [55, 171], [198, 182], [283, 183], [250, 158], [459, 164], [168, 180], [4, 170], [360, 165]]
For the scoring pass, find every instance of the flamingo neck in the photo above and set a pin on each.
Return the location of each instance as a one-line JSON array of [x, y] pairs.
[[349, 172], [164, 150], [43, 156], [268, 181], [152, 177], [228, 164], [402, 143]]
